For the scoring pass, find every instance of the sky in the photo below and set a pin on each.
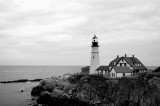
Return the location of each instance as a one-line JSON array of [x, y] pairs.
[[59, 32]]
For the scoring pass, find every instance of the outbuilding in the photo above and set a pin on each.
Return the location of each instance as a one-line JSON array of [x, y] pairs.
[[117, 72], [103, 70]]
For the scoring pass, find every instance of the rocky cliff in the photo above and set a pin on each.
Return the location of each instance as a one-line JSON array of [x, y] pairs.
[[92, 90]]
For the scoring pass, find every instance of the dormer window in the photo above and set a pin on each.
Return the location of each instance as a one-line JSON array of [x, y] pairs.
[[138, 64], [122, 59], [114, 63]]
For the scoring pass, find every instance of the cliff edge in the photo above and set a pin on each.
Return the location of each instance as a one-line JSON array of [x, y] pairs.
[[93, 90]]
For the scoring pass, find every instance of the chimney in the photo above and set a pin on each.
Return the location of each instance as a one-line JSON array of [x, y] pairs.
[[125, 55], [133, 56], [117, 56]]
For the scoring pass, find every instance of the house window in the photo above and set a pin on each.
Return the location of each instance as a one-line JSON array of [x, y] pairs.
[[125, 64], [113, 74], [101, 72], [123, 74], [93, 57], [136, 64], [122, 59], [120, 64]]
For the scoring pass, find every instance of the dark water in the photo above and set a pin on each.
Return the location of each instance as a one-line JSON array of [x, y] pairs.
[[11, 95]]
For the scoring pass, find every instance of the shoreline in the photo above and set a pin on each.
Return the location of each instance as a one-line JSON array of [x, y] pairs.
[[20, 81]]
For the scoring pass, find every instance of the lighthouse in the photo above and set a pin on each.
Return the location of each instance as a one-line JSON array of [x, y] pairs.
[[94, 64]]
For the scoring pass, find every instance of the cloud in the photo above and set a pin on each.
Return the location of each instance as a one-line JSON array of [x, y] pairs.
[[51, 28]]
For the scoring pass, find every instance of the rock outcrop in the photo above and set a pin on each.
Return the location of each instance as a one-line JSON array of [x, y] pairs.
[[157, 69], [87, 90], [21, 81]]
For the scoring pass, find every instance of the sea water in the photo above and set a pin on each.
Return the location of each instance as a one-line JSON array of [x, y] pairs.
[[10, 93]]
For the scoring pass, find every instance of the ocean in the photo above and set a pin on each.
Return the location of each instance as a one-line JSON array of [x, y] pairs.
[[10, 93]]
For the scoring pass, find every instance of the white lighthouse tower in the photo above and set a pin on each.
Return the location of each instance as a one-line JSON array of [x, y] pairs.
[[94, 64]]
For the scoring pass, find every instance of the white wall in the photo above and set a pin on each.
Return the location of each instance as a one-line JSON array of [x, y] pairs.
[[121, 74], [94, 64], [112, 72], [118, 75], [104, 72]]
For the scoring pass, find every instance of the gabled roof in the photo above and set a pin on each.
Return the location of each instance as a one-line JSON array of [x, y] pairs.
[[132, 60], [115, 60], [122, 69], [103, 68]]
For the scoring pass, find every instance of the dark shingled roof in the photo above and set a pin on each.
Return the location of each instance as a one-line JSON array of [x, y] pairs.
[[122, 69], [132, 60], [103, 68]]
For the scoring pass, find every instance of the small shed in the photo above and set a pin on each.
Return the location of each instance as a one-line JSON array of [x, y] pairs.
[[117, 72], [103, 70], [85, 70]]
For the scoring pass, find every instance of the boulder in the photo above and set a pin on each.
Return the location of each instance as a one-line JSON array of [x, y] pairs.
[[36, 91]]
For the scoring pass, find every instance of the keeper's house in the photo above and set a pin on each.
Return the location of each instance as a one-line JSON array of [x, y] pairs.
[[120, 67], [132, 62]]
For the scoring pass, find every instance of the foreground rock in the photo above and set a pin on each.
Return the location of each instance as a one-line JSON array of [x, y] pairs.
[[58, 92], [87, 90]]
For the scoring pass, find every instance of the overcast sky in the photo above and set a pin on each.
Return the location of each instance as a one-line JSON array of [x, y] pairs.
[[59, 32]]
